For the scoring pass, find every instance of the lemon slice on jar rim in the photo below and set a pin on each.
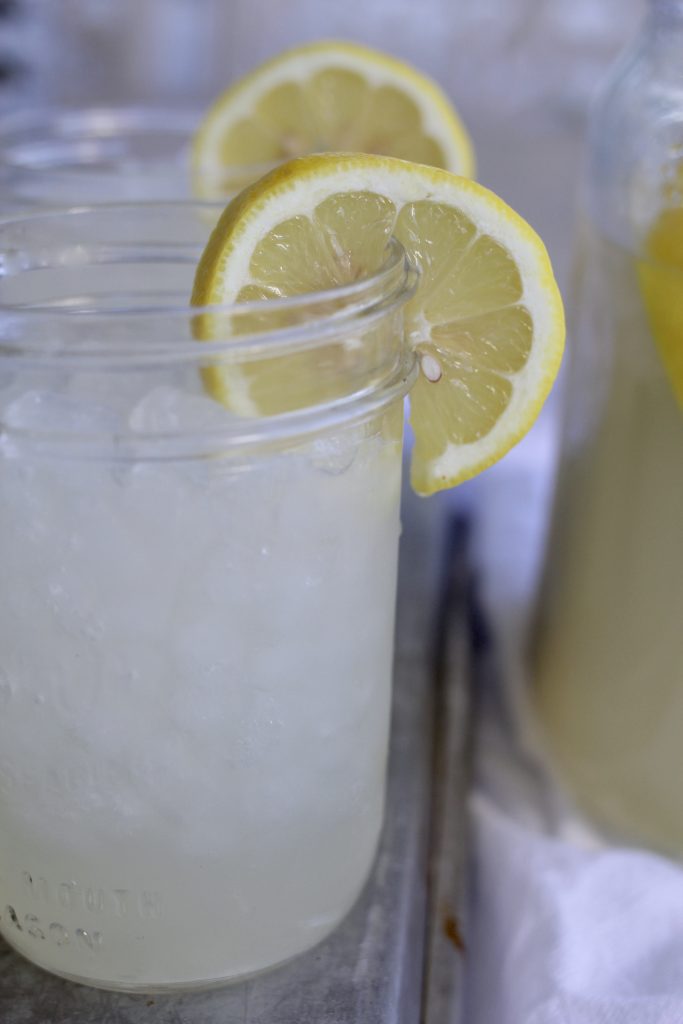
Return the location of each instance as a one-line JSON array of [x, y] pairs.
[[486, 320], [326, 96]]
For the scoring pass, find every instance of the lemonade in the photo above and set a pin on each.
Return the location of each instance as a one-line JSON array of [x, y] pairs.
[[196, 617], [195, 702], [610, 657], [200, 456]]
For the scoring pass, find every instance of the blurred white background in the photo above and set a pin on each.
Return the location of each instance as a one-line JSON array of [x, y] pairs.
[[521, 71]]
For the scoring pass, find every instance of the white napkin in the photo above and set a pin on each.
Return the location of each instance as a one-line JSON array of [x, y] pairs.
[[563, 928]]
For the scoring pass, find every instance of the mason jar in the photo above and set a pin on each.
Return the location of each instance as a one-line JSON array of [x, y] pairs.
[[67, 157], [196, 603]]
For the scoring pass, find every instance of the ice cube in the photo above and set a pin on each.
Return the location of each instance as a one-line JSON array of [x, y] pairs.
[[168, 410], [49, 412], [335, 454], [119, 393]]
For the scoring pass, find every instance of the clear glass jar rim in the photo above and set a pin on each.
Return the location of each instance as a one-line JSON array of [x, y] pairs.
[[71, 121], [26, 135], [25, 330], [30, 337]]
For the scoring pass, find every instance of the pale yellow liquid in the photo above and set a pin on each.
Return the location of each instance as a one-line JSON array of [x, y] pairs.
[[609, 684], [195, 696]]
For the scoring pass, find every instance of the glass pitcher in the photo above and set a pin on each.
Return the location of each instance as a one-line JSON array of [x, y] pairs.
[[609, 652]]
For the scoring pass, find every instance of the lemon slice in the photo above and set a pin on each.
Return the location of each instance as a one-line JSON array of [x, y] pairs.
[[327, 96], [486, 320], [661, 283]]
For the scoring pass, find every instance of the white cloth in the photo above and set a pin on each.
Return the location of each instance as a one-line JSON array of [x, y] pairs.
[[567, 936], [563, 928]]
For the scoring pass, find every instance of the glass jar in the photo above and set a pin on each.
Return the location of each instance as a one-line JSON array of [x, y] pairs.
[[196, 606], [609, 687], [62, 157]]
